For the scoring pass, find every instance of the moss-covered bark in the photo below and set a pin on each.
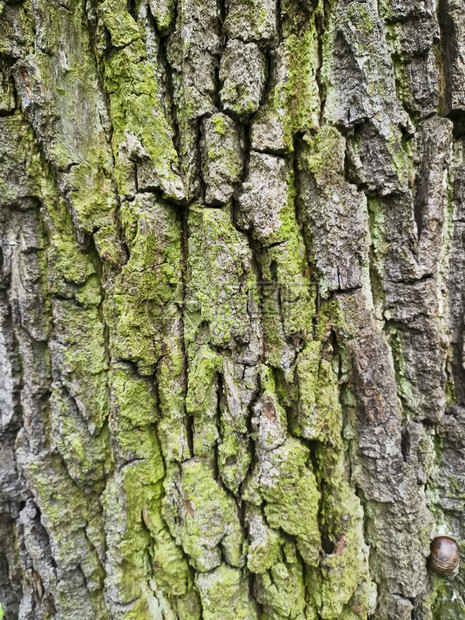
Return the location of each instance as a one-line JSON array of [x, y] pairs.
[[231, 308]]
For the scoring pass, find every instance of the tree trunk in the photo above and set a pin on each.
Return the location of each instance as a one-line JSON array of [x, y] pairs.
[[232, 304]]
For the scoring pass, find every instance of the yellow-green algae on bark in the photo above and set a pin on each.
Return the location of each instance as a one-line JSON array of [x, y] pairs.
[[230, 358]]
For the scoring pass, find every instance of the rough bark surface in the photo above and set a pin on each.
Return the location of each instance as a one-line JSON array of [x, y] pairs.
[[232, 296]]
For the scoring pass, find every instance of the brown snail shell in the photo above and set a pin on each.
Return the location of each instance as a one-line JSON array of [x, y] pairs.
[[445, 556]]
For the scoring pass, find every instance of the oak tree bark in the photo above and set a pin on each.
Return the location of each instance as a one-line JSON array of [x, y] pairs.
[[232, 294]]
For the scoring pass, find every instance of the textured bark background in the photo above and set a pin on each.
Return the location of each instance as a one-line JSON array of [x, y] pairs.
[[232, 305]]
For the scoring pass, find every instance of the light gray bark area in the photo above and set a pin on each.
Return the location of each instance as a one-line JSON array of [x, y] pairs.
[[232, 301]]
